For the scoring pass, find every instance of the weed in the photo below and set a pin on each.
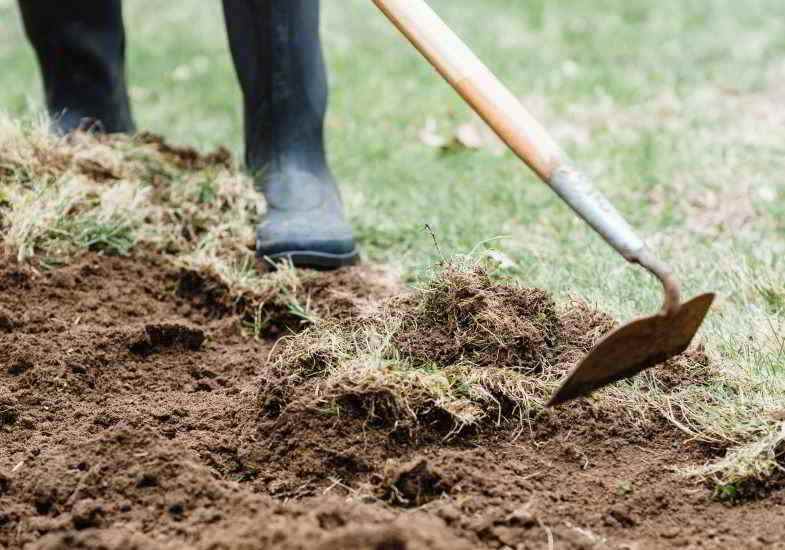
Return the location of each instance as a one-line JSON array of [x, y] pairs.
[[727, 492]]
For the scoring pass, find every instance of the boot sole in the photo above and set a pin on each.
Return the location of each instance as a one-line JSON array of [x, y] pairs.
[[315, 260]]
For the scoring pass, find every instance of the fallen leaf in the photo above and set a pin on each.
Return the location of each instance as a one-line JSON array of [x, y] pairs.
[[473, 135], [469, 136], [501, 258], [430, 135]]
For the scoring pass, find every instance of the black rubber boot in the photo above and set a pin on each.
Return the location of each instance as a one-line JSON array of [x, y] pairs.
[[80, 45], [277, 53]]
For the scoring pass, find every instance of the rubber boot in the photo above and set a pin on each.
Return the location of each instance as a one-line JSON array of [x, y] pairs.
[[277, 54], [80, 45]]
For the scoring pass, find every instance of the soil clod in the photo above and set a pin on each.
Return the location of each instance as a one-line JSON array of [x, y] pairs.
[[19, 365], [87, 513], [156, 337], [5, 483], [465, 315], [6, 320], [413, 484], [8, 413]]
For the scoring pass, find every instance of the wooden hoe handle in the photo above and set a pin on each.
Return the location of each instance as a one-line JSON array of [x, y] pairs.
[[521, 131], [476, 84]]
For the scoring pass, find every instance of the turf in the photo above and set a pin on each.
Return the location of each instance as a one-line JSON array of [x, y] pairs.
[[683, 127]]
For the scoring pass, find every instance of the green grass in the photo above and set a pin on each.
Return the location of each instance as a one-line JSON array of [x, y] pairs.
[[676, 108]]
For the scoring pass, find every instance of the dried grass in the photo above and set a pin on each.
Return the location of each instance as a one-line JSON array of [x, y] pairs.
[[463, 351], [61, 195]]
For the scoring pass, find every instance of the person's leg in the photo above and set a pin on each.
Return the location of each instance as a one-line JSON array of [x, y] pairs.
[[80, 45], [277, 54]]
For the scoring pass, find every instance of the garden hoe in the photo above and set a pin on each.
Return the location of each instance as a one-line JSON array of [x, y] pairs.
[[630, 348]]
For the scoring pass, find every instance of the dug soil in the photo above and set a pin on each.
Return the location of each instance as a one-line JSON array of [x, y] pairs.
[[130, 419]]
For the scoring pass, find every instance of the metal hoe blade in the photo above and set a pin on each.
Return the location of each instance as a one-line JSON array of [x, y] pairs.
[[634, 347]]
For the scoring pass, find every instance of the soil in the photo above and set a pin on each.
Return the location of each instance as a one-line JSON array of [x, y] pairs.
[[130, 418]]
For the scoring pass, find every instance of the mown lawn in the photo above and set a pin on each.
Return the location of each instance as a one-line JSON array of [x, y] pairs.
[[676, 108]]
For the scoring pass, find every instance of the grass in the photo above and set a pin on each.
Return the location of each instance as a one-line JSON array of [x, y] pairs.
[[467, 350], [416, 359], [682, 128]]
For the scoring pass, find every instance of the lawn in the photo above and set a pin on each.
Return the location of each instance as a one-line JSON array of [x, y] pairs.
[[676, 108]]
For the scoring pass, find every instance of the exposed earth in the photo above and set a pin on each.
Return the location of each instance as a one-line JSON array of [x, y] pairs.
[[131, 416], [144, 405]]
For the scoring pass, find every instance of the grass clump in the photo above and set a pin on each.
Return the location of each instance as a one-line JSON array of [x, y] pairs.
[[63, 195], [461, 351], [468, 316], [360, 373], [750, 464], [747, 432], [71, 215]]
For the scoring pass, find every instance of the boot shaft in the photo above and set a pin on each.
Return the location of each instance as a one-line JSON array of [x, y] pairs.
[[80, 47], [278, 57]]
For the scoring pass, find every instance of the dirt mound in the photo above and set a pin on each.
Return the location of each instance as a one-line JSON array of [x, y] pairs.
[[185, 158], [464, 315], [153, 338], [464, 353], [141, 411]]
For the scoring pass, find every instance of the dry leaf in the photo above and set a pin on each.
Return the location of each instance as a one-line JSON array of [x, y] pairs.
[[501, 258], [430, 136], [473, 135], [469, 136]]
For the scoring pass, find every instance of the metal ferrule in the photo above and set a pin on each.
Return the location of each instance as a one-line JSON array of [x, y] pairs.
[[590, 204]]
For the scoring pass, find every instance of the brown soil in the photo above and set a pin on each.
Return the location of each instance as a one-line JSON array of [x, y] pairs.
[[130, 418], [465, 315]]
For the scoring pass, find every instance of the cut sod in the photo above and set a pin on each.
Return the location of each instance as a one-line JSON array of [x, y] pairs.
[[462, 352]]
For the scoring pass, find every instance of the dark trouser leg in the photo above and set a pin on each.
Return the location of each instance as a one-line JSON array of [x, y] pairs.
[[80, 45], [277, 53]]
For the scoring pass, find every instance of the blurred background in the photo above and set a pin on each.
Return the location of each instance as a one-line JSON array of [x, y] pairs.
[[677, 108]]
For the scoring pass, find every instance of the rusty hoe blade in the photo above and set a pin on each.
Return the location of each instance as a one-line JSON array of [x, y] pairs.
[[631, 348], [637, 345], [644, 342]]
